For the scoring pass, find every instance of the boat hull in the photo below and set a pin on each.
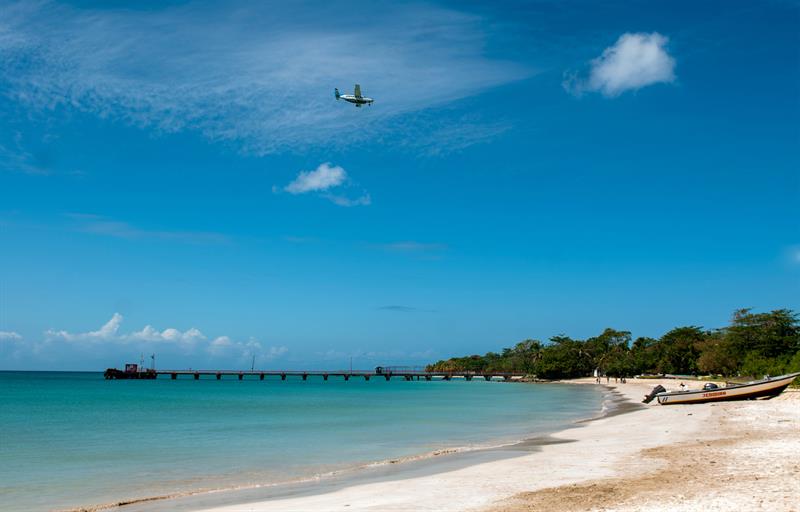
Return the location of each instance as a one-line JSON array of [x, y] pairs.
[[750, 391]]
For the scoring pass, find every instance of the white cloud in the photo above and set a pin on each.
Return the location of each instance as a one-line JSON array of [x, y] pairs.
[[220, 344], [10, 335], [323, 177], [149, 333], [636, 60], [172, 341], [256, 76], [107, 332]]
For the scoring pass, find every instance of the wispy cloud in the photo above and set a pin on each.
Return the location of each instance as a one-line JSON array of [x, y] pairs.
[[256, 76], [792, 254], [100, 225], [10, 335], [362, 200], [15, 158], [323, 180], [300, 239], [634, 61], [378, 356], [413, 246], [404, 309]]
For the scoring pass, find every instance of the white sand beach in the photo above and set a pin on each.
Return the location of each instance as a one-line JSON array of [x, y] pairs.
[[707, 457]]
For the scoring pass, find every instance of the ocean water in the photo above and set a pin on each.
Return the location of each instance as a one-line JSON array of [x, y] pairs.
[[70, 440]]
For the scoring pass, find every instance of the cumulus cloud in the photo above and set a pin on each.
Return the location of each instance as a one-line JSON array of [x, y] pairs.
[[9, 335], [636, 60], [149, 333], [322, 178], [260, 78], [107, 332], [190, 341]]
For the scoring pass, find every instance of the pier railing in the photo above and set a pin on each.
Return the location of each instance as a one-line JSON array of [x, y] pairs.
[[408, 375]]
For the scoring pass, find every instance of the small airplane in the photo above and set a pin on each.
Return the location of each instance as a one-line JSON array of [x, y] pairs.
[[357, 99]]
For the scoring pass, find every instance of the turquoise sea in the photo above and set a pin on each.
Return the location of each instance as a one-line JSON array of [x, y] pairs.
[[71, 440]]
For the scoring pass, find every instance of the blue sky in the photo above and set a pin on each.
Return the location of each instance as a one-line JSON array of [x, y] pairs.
[[177, 177]]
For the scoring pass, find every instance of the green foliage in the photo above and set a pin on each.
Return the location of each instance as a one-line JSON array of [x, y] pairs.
[[754, 344]]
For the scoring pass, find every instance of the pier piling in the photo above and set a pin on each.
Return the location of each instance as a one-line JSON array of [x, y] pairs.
[[406, 375]]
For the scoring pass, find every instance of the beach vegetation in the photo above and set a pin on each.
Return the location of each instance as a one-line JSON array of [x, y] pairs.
[[753, 344]]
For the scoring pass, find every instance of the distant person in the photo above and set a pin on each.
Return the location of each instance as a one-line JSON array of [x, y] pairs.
[[607, 379], [683, 386]]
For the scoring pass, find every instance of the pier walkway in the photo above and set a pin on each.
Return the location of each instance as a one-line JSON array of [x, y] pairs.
[[113, 373]]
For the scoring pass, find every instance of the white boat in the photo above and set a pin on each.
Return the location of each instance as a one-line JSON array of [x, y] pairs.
[[767, 388]]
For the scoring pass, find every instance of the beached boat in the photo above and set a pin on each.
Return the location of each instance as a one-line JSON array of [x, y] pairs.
[[767, 388]]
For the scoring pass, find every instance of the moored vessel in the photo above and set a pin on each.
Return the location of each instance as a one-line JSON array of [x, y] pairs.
[[768, 387]]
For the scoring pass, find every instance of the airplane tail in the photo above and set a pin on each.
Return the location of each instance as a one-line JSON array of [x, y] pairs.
[[336, 92]]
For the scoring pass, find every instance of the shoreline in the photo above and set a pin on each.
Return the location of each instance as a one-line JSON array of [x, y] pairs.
[[743, 457], [403, 468], [592, 465]]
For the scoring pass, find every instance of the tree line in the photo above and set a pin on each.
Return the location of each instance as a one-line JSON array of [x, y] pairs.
[[754, 344]]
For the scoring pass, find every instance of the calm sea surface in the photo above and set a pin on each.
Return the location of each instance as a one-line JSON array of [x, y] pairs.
[[74, 439]]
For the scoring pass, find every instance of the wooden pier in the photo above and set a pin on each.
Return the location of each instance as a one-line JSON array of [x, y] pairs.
[[346, 375]]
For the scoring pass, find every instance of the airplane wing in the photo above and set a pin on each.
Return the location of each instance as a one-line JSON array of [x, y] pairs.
[[358, 91]]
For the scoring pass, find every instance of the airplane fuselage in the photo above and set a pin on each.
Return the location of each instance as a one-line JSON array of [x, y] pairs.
[[356, 100]]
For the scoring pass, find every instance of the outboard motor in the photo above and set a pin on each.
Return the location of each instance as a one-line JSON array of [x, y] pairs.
[[709, 386], [656, 390]]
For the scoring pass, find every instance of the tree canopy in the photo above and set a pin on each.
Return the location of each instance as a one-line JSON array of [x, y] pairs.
[[753, 344]]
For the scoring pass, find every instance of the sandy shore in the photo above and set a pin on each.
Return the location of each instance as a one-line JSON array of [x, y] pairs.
[[705, 457]]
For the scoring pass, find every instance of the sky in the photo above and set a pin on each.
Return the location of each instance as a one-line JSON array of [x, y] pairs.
[[178, 179]]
